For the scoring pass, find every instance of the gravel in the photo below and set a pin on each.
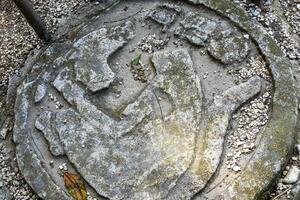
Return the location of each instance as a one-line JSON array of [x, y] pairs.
[[289, 184], [251, 118], [16, 41], [12, 178], [152, 43], [282, 21]]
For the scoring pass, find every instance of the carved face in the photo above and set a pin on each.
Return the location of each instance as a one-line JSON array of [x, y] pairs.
[[132, 112]]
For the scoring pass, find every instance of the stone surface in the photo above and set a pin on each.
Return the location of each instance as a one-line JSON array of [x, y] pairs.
[[196, 28], [129, 164], [229, 47], [211, 138], [165, 15], [45, 124], [40, 93], [296, 190], [5, 127], [284, 114], [92, 52], [297, 147], [28, 162], [292, 175], [165, 137], [5, 122]]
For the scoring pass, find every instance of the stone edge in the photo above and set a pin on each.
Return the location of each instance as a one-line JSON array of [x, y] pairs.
[[17, 85], [279, 134], [284, 104]]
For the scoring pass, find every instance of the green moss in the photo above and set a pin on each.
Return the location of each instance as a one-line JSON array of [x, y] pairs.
[[203, 168], [281, 133], [243, 16], [221, 5], [272, 46], [230, 7], [118, 159], [253, 180]]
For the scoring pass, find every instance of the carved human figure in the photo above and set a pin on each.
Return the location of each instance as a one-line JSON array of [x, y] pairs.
[[162, 141], [161, 137], [142, 155]]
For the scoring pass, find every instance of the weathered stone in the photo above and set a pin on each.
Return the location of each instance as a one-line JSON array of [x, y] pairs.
[[65, 85], [297, 147], [292, 175], [279, 134], [4, 194], [115, 151], [295, 190], [90, 54], [165, 15], [29, 163], [40, 93], [5, 127], [163, 139], [45, 124], [229, 47], [196, 28], [5, 122], [211, 138]]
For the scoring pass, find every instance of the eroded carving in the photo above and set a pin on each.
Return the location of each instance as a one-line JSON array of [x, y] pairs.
[[92, 52], [197, 28], [164, 139]]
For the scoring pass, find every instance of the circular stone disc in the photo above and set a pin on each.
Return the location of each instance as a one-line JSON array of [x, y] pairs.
[[138, 101]]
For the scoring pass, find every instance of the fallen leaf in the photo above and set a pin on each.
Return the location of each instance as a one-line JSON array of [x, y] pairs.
[[75, 186], [136, 61]]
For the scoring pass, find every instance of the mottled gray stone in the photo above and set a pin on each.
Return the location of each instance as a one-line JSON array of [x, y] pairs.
[[165, 14], [6, 122], [292, 175], [229, 47], [165, 142], [297, 147], [29, 163], [196, 28], [4, 195], [44, 123], [279, 135], [75, 96], [295, 190], [211, 137], [2, 117], [40, 93], [66, 86], [121, 160], [91, 138], [90, 54]]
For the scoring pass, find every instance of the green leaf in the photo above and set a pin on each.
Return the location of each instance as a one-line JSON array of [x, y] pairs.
[[136, 61]]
